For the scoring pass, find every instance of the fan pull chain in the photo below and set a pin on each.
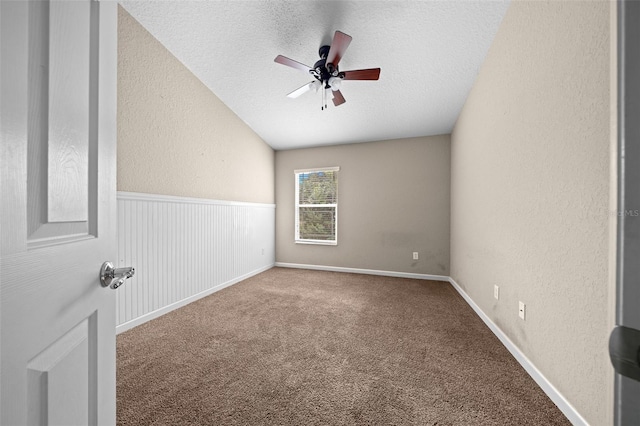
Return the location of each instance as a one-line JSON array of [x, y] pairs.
[[324, 97]]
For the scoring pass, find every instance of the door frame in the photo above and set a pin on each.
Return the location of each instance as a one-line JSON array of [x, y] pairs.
[[627, 391]]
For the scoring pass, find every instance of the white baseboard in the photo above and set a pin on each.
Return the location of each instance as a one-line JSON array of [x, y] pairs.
[[364, 271], [165, 309], [567, 409]]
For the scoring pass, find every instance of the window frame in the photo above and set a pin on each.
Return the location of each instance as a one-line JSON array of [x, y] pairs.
[[297, 205]]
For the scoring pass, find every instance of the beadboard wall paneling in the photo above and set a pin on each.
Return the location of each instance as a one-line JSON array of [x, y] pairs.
[[186, 248]]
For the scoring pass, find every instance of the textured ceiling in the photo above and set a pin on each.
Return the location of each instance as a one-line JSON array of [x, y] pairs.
[[429, 53]]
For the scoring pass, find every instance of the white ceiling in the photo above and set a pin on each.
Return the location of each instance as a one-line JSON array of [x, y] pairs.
[[429, 53]]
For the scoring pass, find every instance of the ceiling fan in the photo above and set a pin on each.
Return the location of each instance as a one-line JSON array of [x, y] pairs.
[[326, 72]]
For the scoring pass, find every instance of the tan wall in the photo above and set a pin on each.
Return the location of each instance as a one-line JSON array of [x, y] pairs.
[[530, 193], [175, 137], [393, 200]]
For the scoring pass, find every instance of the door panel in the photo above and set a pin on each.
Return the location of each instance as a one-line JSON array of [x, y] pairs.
[[57, 183], [48, 375], [61, 74]]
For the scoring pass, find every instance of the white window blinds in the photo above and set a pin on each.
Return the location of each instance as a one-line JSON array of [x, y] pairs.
[[317, 206]]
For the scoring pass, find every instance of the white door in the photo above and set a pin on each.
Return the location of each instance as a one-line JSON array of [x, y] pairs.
[[57, 211]]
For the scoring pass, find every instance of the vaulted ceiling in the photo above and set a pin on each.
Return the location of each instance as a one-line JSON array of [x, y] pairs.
[[429, 52]]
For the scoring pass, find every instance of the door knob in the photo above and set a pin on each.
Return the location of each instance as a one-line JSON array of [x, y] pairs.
[[114, 277], [624, 351]]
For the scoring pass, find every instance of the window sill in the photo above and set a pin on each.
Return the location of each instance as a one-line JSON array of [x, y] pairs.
[[317, 242]]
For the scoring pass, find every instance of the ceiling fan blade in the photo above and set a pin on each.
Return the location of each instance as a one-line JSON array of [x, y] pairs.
[[338, 99], [291, 63], [368, 74], [338, 47], [301, 90]]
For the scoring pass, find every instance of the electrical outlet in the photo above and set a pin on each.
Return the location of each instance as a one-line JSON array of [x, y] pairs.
[[496, 292], [415, 255], [263, 252], [521, 309]]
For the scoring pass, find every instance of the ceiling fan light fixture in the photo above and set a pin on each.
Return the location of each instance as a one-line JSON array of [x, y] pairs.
[[335, 83], [315, 85], [329, 93]]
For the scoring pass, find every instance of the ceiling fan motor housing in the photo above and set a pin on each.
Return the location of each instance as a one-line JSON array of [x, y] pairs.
[[323, 71], [323, 52]]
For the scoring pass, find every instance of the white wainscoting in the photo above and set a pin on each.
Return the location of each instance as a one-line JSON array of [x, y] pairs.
[[186, 248]]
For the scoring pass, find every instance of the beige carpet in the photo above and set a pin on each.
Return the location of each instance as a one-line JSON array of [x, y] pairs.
[[296, 347]]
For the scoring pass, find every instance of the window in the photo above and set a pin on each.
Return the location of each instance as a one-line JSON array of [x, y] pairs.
[[317, 206]]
